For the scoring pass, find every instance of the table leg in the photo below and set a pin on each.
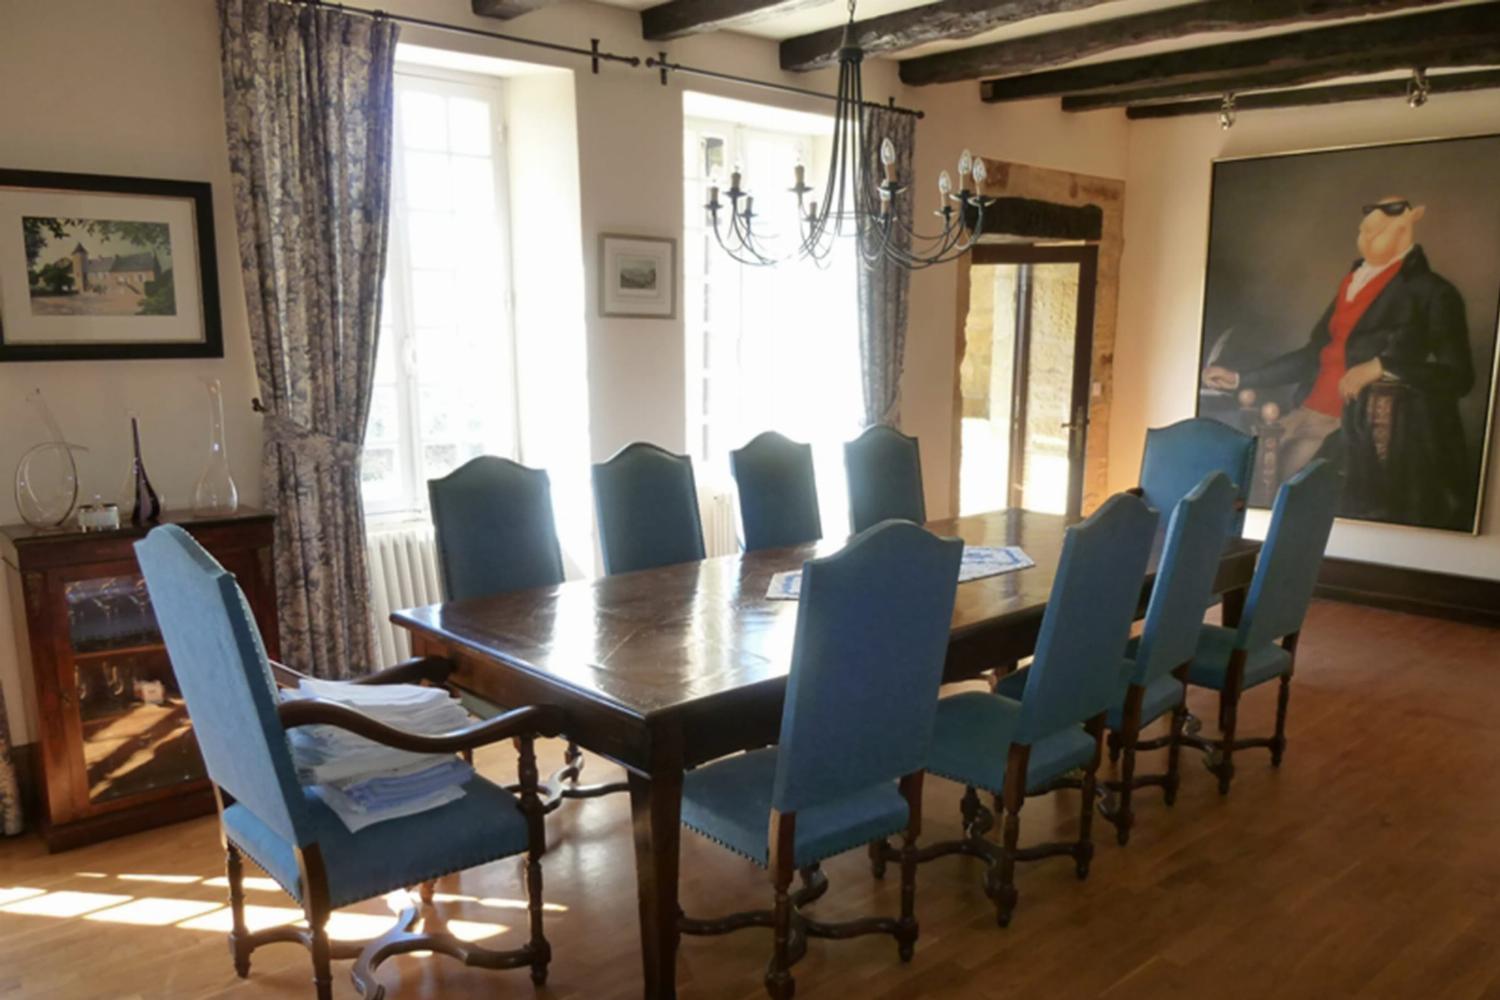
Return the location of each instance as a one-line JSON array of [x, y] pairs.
[[1233, 607], [656, 810]]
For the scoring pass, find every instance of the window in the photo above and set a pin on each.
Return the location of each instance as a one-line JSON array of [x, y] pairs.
[[445, 370], [768, 348]]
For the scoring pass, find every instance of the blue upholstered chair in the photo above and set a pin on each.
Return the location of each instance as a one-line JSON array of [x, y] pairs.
[[492, 521], [1155, 682], [884, 470], [647, 506], [1024, 738], [872, 633], [1263, 647], [778, 492], [1178, 456], [285, 828]]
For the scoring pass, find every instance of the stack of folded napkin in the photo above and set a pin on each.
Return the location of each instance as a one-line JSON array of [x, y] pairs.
[[365, 782]]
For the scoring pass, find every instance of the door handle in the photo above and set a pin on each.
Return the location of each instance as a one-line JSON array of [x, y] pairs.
[[1080, 419]]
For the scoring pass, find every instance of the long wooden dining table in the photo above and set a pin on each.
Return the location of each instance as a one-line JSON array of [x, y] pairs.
[[665, 669]]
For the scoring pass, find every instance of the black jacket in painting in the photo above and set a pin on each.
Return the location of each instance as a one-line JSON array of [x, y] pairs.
[[1417, 328]]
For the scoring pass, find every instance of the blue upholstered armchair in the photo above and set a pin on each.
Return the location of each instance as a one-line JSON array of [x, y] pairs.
[[778, 492], [1178, 456], [1263, 646], [1043, 722], [285, 828], [1156, 675], [884, 470], [492, 522], [872, 634], [647, 506]]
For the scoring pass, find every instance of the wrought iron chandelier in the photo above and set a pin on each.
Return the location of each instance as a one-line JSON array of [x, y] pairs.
[[854, 203]]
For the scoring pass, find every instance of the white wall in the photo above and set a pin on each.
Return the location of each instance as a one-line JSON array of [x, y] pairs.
[[1166, 235]]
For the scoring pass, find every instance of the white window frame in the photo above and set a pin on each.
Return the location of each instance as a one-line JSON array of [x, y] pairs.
[[411, 501]]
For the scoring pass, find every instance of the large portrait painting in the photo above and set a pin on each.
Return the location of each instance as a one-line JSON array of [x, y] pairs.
[[1350, 313], [95, 267]]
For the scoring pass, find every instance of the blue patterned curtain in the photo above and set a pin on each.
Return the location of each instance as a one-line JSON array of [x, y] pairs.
[[884, 286], [308, 104]]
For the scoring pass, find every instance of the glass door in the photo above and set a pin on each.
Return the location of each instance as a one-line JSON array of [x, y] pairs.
[[133, 724], [1025, 379]]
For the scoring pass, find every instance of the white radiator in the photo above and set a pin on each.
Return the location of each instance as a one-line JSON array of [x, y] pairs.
[[403, 574], [720, 522]]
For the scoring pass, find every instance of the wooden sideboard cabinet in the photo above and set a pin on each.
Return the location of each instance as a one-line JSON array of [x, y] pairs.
[[115, 752]]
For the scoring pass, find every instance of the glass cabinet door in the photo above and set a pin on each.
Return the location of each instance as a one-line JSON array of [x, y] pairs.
[[134, 723]]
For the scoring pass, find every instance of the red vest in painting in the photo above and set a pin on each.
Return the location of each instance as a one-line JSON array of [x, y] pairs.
[[1325, 397]]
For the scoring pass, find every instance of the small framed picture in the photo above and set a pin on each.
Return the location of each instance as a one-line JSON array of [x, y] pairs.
[[637, 276], [103, 268]]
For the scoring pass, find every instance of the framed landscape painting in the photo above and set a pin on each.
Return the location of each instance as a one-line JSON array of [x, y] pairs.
[[95, 267], [1350, 312], [637, 276]]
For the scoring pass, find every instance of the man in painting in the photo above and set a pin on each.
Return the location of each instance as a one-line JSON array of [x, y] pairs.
[[1385, 367]]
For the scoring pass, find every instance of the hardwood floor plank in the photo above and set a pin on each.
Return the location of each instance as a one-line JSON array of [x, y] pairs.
[[1367, 866]]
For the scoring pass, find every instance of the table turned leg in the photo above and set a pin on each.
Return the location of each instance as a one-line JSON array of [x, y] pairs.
[[656, 810]]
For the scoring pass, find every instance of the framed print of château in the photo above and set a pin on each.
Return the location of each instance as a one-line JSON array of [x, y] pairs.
[[95, 267]]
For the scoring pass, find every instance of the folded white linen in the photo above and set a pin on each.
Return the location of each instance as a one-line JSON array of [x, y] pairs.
[[365, 782], [327, 753]]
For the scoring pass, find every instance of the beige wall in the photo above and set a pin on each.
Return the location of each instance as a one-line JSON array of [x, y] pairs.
[[1166, 234], [123, 88]]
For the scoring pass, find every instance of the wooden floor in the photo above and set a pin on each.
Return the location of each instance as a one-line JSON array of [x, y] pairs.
[[1368, 866]]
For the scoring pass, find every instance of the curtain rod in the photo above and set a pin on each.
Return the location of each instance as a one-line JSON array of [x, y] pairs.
[[661, 62], [594, 54]]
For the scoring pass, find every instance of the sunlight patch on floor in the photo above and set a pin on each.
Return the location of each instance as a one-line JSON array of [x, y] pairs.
[[153, 911], [63, 904]]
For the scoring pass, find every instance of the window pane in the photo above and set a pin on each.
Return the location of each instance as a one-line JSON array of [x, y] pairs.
[[429, 181], [445, 382], [469, 126], [424, 125]]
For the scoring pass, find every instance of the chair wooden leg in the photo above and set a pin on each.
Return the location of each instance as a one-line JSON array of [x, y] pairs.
[[1000, 882], [1116, 746], [906, 926], [879, 851], [542, 951], [321, 955], [1083, 852], [1283, 696], [1174, 753], [536, 833], [1124, 816], [1229, 710], [779, 982], [239, 934]]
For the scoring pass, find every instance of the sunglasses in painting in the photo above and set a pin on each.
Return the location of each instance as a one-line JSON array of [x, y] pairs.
[[1391, 208]]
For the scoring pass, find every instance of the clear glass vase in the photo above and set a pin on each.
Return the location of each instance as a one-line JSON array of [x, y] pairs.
[[216, 495], [47, 476]]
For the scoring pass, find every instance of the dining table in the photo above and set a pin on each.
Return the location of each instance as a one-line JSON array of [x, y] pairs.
[[665, 669]]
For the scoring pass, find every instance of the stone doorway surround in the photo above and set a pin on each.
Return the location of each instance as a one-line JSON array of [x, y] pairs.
[[1062, 187]]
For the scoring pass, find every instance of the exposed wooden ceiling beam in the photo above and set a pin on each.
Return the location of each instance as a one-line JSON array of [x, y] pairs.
[[1482, 53], [1034, 52], [931, 22], [1436, 38], [677, 18], [506, 9], [1447, 83]]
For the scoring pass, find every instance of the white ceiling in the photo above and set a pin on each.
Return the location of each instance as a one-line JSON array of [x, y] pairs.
[[815, 15]]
